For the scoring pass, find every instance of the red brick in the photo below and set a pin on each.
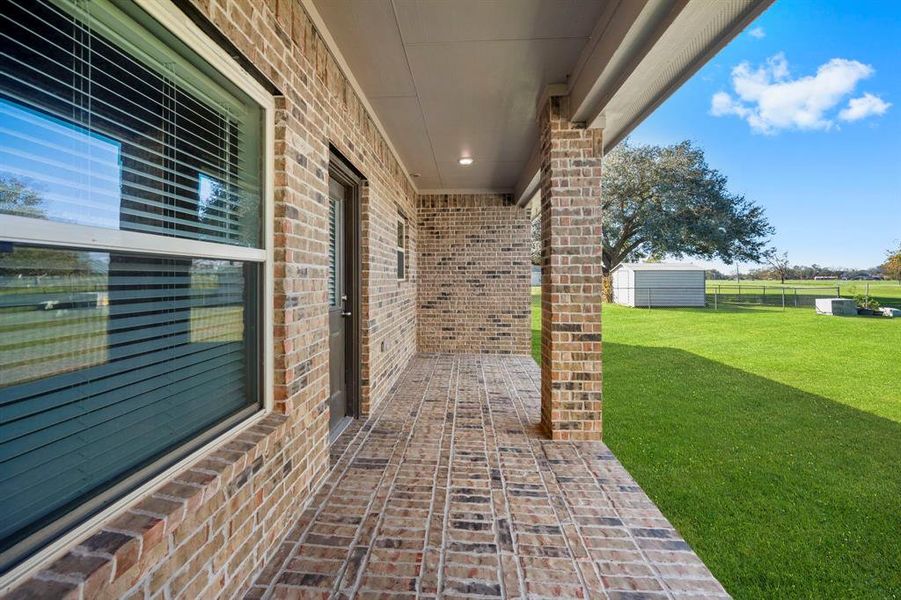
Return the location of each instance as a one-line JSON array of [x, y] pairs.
[[571, 275], [93, 571], [149, 529], [474, 274], [38, 589]]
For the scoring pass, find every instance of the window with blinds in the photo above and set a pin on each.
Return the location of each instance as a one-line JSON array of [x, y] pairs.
[[107, 127], [335, 241], [401, 246], [116, 364]]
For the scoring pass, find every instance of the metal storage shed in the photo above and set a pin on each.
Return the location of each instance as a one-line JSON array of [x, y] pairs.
[[658, 284]]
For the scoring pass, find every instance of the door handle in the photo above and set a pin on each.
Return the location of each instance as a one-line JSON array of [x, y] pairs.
[[346, 313]]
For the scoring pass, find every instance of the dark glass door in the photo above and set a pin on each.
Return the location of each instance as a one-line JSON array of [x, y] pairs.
[[339, 314]]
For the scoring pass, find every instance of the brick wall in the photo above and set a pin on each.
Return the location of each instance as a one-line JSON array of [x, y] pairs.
[[571, 276], [474, 275], [389, 305], [208, 532]]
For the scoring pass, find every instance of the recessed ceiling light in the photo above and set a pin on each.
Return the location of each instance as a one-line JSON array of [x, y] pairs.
[[465, 161]]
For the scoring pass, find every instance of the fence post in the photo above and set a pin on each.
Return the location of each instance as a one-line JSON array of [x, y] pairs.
[[649, 298], [763, 299], [867, 297], [838, 291], [783, 298], [716, 293], [796, 297]]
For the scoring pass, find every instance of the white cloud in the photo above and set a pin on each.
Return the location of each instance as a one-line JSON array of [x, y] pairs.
[[863, 107], [757, 33], [770, 100]]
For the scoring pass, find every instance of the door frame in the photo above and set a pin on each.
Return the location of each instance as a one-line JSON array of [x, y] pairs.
[[341, 170]]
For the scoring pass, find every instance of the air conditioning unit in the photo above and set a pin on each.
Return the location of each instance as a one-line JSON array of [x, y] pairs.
[[842, 307]]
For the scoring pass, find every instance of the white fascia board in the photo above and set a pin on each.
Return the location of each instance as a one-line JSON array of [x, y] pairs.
[[529, 180], [697, 34], [608, 67]]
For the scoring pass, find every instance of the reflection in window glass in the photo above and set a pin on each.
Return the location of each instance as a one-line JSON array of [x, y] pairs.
[[96, 133], [107, 360], [54, 168]]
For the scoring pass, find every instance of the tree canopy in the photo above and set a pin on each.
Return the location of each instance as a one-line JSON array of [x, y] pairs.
[[892, 265], [19, 197], [667, 201], [778, 262]]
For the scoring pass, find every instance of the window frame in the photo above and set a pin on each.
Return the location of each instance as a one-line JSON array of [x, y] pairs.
[[91, 238], [402, 247]]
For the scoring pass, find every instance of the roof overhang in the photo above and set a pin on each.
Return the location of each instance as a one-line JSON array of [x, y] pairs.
[[667, 43], [408, 61], [679, 41]]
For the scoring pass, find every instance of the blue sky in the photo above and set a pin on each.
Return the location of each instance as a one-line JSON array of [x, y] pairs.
[[788, 136]]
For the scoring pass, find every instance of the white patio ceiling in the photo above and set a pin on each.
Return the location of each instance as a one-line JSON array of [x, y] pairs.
[[453, 78]]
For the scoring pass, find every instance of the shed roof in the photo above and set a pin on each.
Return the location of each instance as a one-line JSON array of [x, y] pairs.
[[659, 267]]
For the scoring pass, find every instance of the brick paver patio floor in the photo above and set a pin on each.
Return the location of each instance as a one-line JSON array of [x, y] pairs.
[[449, 490]]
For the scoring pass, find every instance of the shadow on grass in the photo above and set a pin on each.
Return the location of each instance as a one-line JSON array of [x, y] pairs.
[[783, 493]]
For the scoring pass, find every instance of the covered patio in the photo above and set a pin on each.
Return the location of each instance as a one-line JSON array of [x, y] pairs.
[[269, 309], [451, 490]]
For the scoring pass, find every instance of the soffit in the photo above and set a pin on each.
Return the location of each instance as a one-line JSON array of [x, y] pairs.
[[448, 78]]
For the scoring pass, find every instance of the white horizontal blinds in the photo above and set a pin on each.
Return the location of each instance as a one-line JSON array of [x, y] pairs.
[[107, 360], [332, 252], [103, 125], [335, 218], [115, 364]]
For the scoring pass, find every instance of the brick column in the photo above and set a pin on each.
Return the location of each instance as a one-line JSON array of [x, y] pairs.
[[571, 279]]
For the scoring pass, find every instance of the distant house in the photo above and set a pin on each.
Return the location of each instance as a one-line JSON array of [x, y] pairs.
[[658, 284]]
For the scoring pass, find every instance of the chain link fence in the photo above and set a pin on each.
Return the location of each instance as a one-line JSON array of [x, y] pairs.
[[799, 296], [762, 295], [722, 295]]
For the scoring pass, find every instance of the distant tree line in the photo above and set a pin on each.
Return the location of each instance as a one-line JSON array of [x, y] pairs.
[[800, 272]]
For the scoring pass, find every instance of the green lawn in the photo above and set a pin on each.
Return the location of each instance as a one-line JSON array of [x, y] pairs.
[[771, 439]]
